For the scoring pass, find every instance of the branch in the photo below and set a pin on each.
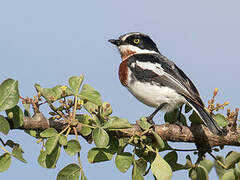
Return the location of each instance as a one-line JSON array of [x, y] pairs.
[[197, 133]]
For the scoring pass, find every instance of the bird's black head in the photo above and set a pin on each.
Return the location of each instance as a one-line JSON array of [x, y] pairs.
[[135, 42]]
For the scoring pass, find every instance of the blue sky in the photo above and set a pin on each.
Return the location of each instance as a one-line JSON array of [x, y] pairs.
[[46, 42]]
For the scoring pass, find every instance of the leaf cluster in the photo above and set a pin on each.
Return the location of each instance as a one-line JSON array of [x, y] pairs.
[[80, 104]]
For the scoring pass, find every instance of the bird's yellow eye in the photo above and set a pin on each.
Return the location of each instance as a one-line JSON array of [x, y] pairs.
[[136, 41]]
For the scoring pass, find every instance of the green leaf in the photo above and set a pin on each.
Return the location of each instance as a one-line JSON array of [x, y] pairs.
[[220, 119], [202, 173], [70, 172], [123, 161], [171, 117], [100, 137], [85, 131], [113, 145], [75, 82], [144, 124], [47, 93], [90, 107], [53, 94], [194, 118], [83, 177], [237, 173], [49, 161], [96, 120], [103, 154], [105, 110], [72, 147], [16, 115], [193, 174], [199, 173], [50, 132], [117, 123], [238, 138], [229, 175], [33, 133], [99, 155], [84, 119], [144, 153], [161, 169], [51, 143], [26, 109], [136, 173], [4, 125], [11, 144], [63, 140], [188, 163], [171, 159], [5, 162], [57, 92], [219, 170], [187, 108], [90, 94], [9, 94], [17, 152], [207, 164], [141, 165], [183, 120], [232, 158], [42, 159], [159, 140]]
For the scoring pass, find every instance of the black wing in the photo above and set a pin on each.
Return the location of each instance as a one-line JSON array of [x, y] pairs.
[[156, 68]]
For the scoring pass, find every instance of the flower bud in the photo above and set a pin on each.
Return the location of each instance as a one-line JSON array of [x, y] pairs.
[[64, 88], [226, 103], [215, 92]]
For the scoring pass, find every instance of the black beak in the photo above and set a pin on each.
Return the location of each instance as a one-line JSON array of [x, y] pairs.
[[115, 41]]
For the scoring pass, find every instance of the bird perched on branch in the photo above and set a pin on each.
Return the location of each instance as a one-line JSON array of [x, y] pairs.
[[155, 80]]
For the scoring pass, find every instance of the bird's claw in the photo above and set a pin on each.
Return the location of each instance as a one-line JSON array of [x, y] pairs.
[[150, 120]]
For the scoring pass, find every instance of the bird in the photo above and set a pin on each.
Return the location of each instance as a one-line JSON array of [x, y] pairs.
[[157, 81]]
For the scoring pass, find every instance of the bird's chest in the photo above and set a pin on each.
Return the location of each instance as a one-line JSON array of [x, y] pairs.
[[123, 73], [154, 95]]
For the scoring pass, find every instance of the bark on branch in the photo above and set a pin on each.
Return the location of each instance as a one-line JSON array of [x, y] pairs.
[[197, 133]]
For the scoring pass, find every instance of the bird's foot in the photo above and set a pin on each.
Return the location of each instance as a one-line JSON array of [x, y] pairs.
[[150, 120]]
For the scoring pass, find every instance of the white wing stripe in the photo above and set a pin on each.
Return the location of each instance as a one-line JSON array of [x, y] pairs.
[[157, 68], [176, 82]]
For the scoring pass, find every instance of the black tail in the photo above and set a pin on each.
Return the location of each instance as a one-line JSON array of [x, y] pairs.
[[207, 118]]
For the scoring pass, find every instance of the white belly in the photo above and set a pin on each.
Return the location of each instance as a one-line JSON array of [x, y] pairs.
[[154, 95]]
